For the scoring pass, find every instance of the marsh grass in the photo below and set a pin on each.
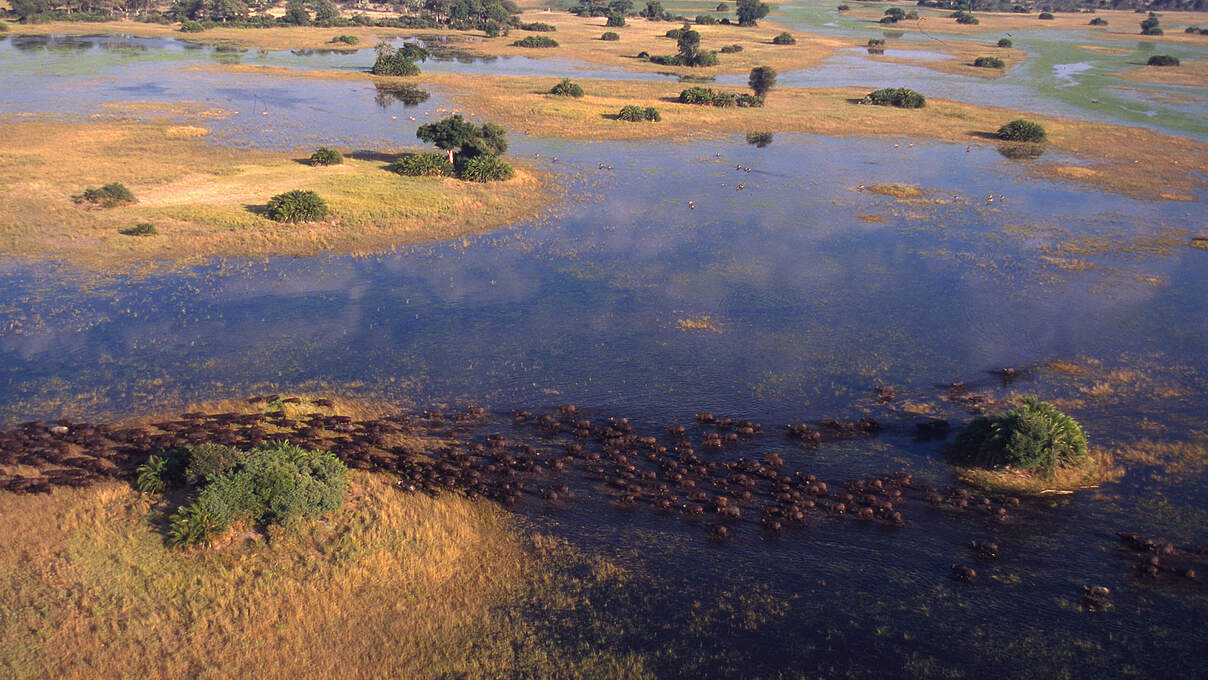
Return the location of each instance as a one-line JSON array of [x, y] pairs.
[[393, 585], [208, 200], [1101, 468]]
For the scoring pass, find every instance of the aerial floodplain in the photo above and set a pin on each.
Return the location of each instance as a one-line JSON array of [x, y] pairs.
[[603, 339]]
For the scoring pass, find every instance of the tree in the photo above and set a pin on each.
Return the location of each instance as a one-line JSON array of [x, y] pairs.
[[762, 79], [689, 45], [750, 11], [654, 10], [226, 10], [622, 7], [326, 11], [1150, 25], [295, 13], [468, 139]]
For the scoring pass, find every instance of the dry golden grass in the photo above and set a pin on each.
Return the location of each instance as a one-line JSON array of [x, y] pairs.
[[1189, 73], [1121, 23], [1101, 469], [391, 585], [208, 201], [1172, 166], [898, 191], [283, 38], [962, 55], [579, 39]]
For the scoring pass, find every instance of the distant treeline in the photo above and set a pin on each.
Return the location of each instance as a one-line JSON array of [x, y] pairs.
[[1065, 5], [456, 14]]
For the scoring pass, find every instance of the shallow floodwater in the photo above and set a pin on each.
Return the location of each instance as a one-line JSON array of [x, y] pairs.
[[784, 292]]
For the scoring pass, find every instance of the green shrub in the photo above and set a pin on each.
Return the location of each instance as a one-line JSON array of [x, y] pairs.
[[486, 168], [326, 156], [876, 42], [1098, 21], [398, 62], [1046, 16], [423, 165], [1196, 30], [1005, 42], [1162, 60], [615, 20], [149, 477], [538, 27], [704, 96], [1020, 151], [637, 114], [899, 97], [1021, 130], [191, 27], [536, 41], [965, 18], [1150, 25], [989, 62], [759, 139], [705, 19], [3, 27], [844, 8], [784, 38], [1035, 437], [297, 206], [109, 196], [141, 229], [346, 39], [567, 88], [731, 49], [610, 36], [276, 484]]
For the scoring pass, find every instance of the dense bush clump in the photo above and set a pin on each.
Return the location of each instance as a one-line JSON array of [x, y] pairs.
[[759, 139], [1005, 42], [486, 169], [1163, 60], [1150, 25], [731, 49], [895, 14], [1098, 21], [422, 165], [141, 229], [704, 96], [1035, 437], [3, 27], [1046, 16], [989, 62], [109, 196], [844, 8], [536, 41], [610, 36], [398, 62], [876, 42], [1196, 30], [346, 39], [637, 114], [275, 484], [567, 88], [1021, 130], [965, 18], [326, 156], [190, 26], [297, 206], [538, 27], [750, 11], [784, 38], [899, 97]]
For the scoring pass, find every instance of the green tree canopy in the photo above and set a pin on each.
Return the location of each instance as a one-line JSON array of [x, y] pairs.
[[458, 134], [750, 11], [761, 80]]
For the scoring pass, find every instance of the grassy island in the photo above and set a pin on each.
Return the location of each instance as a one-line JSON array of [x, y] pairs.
[[207, 200]]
